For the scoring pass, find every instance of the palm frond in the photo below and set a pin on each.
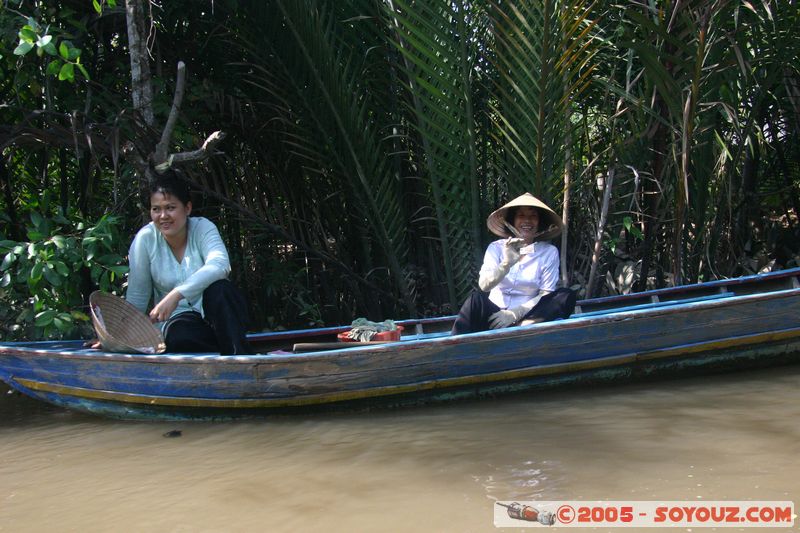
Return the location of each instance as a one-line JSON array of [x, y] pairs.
[[438, 42], [542, 58]]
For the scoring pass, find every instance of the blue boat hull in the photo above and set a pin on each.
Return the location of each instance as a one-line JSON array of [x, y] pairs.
[[149, 408]]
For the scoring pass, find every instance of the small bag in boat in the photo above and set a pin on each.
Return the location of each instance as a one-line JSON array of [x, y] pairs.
[[120, 327]]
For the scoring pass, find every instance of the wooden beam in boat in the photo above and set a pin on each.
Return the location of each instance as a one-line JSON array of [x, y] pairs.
[[320, 346]]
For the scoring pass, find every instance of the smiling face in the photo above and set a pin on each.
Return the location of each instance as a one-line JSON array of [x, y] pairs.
[[526, 221], [169, 215]]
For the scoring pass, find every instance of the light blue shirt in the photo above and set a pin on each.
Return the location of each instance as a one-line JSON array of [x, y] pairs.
[[537, 270], [154, 270]]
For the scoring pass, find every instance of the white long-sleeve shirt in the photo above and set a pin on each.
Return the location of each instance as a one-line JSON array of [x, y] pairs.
[[537, 270], [154, 270]]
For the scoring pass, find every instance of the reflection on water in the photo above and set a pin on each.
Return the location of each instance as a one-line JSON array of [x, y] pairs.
[[439, 468]]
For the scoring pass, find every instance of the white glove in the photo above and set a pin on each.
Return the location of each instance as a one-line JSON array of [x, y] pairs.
[[489, 278], [511, 248], [503, 318]]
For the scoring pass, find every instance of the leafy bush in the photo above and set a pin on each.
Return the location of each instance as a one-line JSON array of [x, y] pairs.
[[46, 281]]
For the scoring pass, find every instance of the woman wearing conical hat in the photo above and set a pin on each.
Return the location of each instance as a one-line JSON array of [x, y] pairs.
[[519, 275]]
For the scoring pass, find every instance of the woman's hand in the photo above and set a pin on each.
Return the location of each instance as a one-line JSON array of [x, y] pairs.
[[163, 309], [511, 248], [504, 318], [490, 276]]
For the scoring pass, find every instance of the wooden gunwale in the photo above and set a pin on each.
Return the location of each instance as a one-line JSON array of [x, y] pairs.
[[715, 284]]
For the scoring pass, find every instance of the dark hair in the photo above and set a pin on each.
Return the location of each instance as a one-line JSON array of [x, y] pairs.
[[170, 184]]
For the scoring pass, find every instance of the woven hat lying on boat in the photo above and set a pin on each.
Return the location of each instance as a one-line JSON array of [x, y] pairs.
[[549, 221], [120, 327]]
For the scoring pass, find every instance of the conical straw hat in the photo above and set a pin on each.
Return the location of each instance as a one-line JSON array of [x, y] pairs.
[[120, 327], [550, 223]]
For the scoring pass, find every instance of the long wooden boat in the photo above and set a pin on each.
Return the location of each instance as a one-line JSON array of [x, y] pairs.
[[751, 321]]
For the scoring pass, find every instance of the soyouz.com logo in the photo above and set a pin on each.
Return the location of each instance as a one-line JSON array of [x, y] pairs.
[[644, 514]]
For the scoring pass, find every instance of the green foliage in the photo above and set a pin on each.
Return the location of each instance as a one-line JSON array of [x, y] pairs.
[[61, 56], [635, 231], [98, 5], [44, 281], [631, 228]]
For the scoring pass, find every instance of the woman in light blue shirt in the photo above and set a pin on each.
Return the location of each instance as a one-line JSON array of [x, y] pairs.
[[181, 264], [519, 275]]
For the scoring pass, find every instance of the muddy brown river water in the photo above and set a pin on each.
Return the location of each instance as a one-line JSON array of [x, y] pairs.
[[436, 468]]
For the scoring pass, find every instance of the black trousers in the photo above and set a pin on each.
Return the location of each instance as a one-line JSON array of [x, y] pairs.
[[222, 330], [474, 314]]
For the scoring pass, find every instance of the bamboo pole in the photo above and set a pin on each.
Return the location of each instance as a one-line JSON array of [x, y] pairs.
[[598, 241]]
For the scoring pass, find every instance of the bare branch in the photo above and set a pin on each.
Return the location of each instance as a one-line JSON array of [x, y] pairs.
[[200, 154], [160, 154]]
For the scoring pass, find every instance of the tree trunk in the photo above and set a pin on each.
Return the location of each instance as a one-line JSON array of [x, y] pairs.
[[565, 209], [64, 190], [15, 232], [752, 162], [141, 79], [85, 182], [568, 170], [652, 195]]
